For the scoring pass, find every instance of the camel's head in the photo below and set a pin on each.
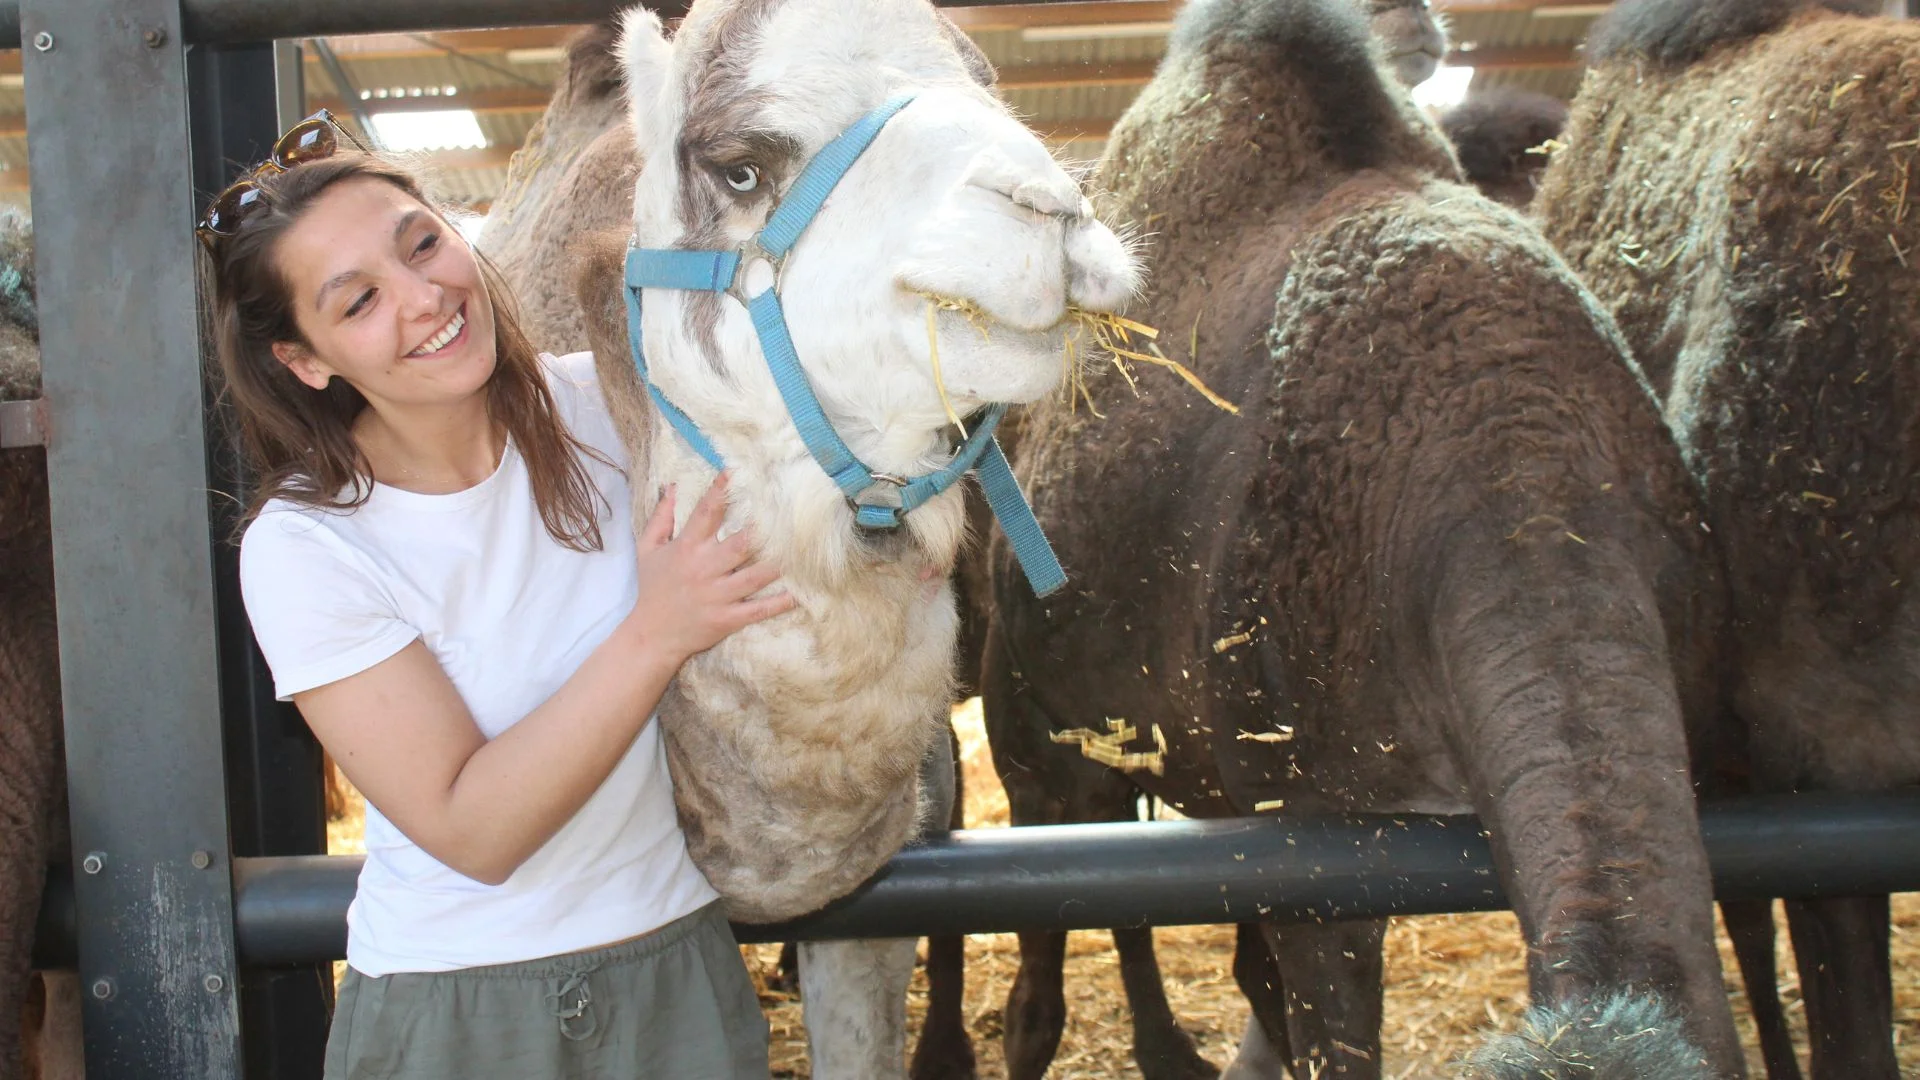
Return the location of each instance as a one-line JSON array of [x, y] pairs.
[[953, 199], [1416, 41]]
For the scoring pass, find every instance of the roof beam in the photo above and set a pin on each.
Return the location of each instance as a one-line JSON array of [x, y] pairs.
[[1064, 76], [1098, 12], [436, 44], [1515, 58], [481, 100]]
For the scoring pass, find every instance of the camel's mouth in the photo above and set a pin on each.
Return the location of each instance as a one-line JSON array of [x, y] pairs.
[[1091, 341]]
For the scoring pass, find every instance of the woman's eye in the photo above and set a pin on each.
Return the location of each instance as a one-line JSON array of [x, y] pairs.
[[743, 178], [427, 243], [360, 303]]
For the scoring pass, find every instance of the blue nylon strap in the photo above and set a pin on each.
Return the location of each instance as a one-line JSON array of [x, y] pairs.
[[802, 201], [1030, 547], [809, 418], [702, 271], [922, 488], [681, 422], [714, 271]]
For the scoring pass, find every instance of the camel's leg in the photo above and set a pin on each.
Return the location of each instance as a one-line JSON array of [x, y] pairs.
[[786, 971], [944, 1051], [1750, 928], [1333, 995], [1162, 1048], [1050, 785], [855, 1004], [54, 1048], [1840, 945], [1263, 1052]]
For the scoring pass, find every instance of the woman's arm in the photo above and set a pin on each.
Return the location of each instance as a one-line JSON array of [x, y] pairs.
[[401, 733]]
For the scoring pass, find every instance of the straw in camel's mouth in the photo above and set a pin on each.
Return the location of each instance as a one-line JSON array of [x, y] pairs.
[[1093, 340]]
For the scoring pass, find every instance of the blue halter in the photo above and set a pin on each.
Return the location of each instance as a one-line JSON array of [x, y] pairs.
[[723, 271]]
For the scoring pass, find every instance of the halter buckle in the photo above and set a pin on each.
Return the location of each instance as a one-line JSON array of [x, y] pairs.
[[751, 253]]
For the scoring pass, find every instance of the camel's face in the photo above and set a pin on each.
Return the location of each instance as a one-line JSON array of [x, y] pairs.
[[1415, 40], [954, 199]]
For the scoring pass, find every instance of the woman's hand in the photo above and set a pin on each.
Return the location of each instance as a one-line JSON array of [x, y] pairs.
[[695, 589]]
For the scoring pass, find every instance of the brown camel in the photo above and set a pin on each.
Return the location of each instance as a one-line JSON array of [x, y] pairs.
[[39, 1013], [1500, 135], [1446, 558], [1735, 188]]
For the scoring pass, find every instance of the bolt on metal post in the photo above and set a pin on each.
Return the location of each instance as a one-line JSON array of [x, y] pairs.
[[43, 41]]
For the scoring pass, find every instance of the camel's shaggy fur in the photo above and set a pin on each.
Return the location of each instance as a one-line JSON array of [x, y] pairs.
[[571, 178], [1500, 135], [799, 746], [1624, 1037], [1446, 558], [39, 1019], [1737, 185], [795, 743], [1675, 33]]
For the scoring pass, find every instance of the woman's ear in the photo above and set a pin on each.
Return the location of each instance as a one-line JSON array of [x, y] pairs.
[[305, 366]]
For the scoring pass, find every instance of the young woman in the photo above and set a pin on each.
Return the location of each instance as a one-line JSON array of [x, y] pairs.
[[442, 574]]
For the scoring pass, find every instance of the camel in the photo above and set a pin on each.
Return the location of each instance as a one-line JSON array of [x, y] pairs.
[[1446, 558], [1501, 136], [1415, 38], [797, 745], [39, 1011], [573, 178], [1734, 189]]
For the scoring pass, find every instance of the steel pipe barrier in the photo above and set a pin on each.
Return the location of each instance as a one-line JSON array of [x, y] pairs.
[[1074, 877]]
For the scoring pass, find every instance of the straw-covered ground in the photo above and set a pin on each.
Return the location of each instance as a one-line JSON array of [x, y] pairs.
[[1449, 977]]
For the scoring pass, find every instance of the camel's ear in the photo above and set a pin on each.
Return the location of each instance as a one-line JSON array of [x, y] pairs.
[[646, 58], [976, 61]]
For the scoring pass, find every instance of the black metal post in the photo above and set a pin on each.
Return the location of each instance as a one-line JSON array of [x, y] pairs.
[[275, 799], [106, 89]]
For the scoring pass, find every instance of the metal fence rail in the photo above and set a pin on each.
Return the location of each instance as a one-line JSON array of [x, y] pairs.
[[1076, 877]]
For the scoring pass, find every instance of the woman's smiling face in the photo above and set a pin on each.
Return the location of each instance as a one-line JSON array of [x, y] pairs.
[[388, 296]]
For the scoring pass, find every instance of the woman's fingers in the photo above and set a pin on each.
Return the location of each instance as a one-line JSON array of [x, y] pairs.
[[704, 523], [752, 578], [659, 528], [748, 612]]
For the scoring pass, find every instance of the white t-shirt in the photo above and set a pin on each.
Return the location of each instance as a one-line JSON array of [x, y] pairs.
[[510, 614]]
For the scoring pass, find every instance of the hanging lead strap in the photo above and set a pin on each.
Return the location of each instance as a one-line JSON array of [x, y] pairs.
[[1030, 547]]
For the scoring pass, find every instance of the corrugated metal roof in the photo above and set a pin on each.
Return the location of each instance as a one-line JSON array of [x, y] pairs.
[[1086, 109]]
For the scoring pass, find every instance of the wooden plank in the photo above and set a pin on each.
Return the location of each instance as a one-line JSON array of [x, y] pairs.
[[395, 46], [1101, 12], [1517, 57], [1066, 76], [1084, 13]]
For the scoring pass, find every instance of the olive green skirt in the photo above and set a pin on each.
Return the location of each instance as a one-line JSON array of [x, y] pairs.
[[675, 1004]]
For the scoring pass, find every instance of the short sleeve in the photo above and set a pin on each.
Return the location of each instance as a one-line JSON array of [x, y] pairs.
[[317, 609]]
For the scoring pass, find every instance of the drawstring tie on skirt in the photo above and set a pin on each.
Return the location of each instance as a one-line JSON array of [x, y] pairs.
[[571, 1006]]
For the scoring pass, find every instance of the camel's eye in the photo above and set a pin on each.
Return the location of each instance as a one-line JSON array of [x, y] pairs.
[[743, 178]]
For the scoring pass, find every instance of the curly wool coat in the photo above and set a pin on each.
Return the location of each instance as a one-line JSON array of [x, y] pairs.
[[1737, 187], [1446, 558]]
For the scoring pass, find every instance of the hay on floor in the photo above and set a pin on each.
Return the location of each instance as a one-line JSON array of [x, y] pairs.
[[1449, 977]]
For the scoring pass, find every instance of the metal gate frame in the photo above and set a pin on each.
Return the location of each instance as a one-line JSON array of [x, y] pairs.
[[191, 837]]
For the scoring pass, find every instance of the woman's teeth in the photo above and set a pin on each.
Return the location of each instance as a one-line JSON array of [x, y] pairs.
[[439, 341]]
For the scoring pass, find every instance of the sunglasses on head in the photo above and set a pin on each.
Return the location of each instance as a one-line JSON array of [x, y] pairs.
[[312, 139]]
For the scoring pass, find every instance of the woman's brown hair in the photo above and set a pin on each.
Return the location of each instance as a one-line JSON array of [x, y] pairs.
[[298, 440]]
